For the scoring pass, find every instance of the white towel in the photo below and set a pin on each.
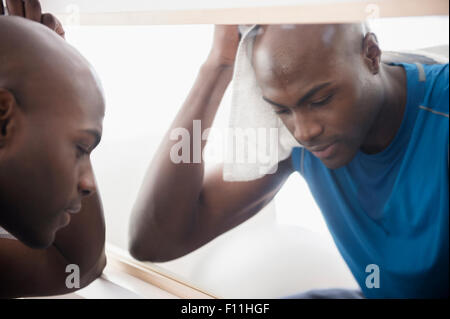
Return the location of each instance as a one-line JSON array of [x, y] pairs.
[[249, 112]]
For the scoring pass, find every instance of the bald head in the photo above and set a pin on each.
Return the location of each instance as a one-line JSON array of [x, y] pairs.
[[281, 51], [35, 61]]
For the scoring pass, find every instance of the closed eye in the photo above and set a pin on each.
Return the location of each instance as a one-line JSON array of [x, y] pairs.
[[81, 151], [322, 101], [282, 111]]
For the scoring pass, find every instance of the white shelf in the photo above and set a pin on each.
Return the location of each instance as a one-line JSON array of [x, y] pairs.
[[138, 12]]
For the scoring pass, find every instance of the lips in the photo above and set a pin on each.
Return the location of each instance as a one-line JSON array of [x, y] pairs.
[[319, 148], [324, 151], [74, 209]]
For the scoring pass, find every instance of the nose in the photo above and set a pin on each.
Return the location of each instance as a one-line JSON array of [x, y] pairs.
[[307, 129], [86, 185]]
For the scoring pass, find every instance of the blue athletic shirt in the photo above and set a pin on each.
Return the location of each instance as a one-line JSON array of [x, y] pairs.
[[391, 209]]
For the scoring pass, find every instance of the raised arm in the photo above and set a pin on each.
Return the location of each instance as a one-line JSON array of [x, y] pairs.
[[179, 208]]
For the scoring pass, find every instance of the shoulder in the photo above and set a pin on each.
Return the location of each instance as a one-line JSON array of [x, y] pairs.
[[297, 157], [437, 88]]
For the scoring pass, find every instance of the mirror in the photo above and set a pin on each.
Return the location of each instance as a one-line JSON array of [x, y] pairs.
[[147, 72]]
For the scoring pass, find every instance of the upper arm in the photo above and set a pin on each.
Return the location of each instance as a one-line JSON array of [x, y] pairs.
[[224, 205], [41, 272], [30, 272]]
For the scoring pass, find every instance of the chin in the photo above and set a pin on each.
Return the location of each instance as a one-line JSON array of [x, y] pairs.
[[336, 162], [38, 240], [331, 165]]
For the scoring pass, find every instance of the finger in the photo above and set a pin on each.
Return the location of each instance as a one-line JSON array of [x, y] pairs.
[[48, 20], [15, 7], [2, 8], [33, 10], [53, 23], [59, 29]]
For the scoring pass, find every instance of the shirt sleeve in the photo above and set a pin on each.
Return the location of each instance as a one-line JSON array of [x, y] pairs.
[[5, 234]]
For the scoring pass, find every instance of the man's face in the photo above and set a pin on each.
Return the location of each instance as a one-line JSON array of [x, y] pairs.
[[50, 169], [324, 95]]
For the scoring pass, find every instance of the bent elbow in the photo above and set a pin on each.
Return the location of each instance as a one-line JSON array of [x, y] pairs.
[[95, 272], [140, 252], [141, 245], [151, 253], [156, 244]]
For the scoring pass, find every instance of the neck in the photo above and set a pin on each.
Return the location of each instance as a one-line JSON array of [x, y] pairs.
[[391, 110]]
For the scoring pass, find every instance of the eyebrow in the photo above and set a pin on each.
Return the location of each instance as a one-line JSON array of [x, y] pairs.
[[95, 134], [305, 97]]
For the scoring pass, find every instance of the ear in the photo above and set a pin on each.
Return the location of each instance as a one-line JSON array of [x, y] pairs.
[[372, 52], [8, 106]]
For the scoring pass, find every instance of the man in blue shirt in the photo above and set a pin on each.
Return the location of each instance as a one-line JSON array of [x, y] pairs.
[[390, 208], [375, 157]]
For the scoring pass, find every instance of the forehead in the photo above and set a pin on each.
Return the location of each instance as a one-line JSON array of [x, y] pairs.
[[285, 59], [282, 55]]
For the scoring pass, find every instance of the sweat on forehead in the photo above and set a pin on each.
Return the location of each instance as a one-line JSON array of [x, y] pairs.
[[36, 62], [280, 50]]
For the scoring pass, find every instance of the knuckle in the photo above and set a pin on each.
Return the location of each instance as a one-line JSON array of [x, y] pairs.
[[49, 20]]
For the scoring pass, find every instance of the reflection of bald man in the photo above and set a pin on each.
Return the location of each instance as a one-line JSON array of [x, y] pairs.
[[51, 114], [375, 157], [368, 133]]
